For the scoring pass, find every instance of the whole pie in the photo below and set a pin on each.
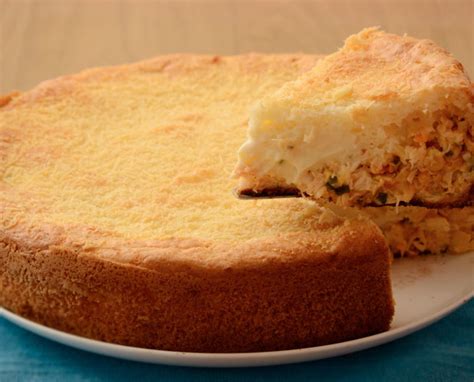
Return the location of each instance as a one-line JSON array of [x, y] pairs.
[[118, 222]]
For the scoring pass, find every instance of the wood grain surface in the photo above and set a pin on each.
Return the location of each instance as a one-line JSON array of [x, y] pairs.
[[41, 39]]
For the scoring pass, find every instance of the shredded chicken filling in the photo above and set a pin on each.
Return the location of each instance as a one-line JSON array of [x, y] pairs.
[[433, 163]]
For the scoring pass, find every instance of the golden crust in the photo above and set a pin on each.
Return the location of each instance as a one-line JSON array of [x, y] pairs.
[[53, 123], [382, 67], [80, 262], [188, 296], [279, 303]]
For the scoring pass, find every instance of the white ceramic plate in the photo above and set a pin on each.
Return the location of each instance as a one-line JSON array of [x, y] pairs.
[[426, 289]]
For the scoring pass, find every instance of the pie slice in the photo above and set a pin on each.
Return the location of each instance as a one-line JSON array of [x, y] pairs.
[[385, 120]]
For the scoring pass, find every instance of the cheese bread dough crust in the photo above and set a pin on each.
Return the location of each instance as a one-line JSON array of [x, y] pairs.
[[117, 221]]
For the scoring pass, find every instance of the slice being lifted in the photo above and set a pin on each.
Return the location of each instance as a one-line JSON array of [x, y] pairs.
[[385, 120]]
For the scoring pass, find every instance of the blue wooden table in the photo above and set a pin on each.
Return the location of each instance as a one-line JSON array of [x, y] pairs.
[[441, 352]]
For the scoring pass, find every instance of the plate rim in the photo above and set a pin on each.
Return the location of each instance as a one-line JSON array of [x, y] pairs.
[[249, 359]]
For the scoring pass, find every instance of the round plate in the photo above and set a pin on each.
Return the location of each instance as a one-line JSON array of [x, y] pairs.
[[425, 288]]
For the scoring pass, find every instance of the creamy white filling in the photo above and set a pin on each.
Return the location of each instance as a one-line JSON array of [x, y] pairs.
[[287, 149]]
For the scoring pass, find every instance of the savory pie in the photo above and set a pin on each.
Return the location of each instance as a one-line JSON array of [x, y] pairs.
[[117, 220]]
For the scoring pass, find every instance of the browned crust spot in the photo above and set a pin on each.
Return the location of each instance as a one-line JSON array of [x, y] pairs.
[[6, 99]]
